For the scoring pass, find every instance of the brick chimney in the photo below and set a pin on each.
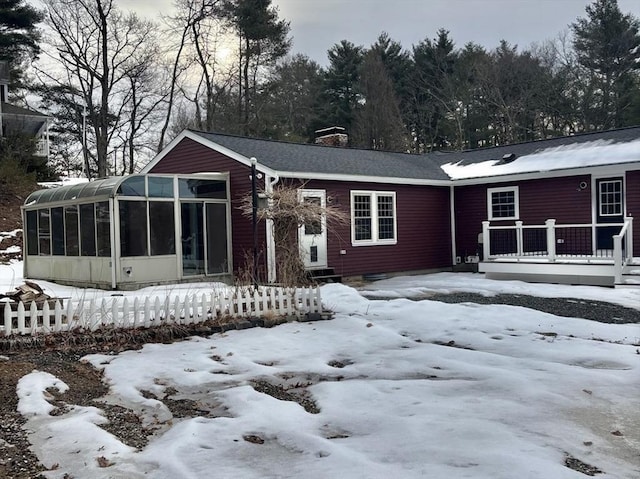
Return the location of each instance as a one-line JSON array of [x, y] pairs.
[[332, 136]]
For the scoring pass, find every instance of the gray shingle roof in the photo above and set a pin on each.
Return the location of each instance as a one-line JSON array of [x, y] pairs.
[[307, 158]]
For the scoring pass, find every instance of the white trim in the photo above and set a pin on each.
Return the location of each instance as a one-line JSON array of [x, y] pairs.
[[385, 180], [452, 220], [516, 200], [600, 170], [374, 218], [620, 203]]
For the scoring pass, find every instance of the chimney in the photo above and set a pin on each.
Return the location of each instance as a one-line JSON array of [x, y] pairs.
[[332, 136]]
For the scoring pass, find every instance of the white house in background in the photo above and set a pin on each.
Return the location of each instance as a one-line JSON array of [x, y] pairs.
[[17, 120]]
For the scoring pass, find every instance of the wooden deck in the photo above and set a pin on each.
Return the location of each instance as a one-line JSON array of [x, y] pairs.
[[553, 254]]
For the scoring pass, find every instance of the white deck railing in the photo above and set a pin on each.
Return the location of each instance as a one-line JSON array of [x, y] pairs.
[[552, 243], [122, 312]]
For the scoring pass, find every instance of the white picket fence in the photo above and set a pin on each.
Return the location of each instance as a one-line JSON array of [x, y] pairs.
[[124, 312]]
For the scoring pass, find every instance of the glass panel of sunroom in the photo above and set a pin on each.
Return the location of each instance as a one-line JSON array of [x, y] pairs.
[[161, 228], [44, 232], [132, 186], [72, 239], [199, 188], [57, 231], [160, 186], [217, 256], [87, 230], [103, 229], [133, 228], [32, 232]]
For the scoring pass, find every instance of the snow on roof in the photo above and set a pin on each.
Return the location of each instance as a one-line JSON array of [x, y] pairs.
[[592, 153]]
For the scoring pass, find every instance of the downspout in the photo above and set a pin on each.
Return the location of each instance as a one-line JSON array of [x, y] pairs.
[[452, 213], [269, 183]]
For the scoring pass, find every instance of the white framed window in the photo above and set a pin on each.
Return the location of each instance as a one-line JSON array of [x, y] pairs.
[[610, 192], [502, 203], [373, 218]]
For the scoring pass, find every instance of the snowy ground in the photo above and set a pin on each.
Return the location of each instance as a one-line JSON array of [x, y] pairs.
[[406, 389]]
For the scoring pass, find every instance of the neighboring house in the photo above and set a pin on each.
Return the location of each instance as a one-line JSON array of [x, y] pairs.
[[179, 219], [15, 120]]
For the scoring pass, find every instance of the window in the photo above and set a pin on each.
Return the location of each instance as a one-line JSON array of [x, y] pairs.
[[133, 228], [32, 232], [373, 217], [610, 192], [103, 232], [44, 232], [132, 186], [72, 239], [160, 186], [87, 230], [162, 228], [196, 188], [57, 230], [502, 203]]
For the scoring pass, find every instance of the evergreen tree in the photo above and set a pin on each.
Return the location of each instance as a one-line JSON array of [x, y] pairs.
[[607, 44], [263, 39], [431, 92], [19, 35], [293, 92], [340, 97], [378, 123]]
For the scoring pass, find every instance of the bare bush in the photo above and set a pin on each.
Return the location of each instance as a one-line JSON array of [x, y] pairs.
[[288, 213]]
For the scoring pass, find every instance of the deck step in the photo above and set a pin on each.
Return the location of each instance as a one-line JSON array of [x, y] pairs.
[[326, 275]]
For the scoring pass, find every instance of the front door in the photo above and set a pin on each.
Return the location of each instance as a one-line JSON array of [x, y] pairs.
[[313, 235], [609, 209]]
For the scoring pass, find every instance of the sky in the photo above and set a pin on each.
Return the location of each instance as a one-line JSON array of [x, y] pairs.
[[317, 25], [402, 388]]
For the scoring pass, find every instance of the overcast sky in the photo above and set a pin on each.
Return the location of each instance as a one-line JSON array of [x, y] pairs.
[[316, 25]]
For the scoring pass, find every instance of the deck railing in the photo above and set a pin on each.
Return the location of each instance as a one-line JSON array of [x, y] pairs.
[[123, 312], [553, 242]]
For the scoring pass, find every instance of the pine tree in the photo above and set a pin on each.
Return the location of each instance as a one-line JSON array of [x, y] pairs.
[[19, 35], [607, 45]]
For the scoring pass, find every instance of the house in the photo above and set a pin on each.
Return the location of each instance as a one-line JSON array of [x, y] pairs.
[[550, 210], [15, 120]]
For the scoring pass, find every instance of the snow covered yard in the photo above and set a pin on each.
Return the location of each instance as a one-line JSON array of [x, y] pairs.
[[402, 388]]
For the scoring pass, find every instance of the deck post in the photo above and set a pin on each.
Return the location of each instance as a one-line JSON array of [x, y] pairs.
[[551, 239], [617, 258], [519, 245], [629, 237], [486, 247]]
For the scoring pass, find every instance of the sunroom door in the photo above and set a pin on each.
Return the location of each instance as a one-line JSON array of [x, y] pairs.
[[313, 235], [609, 209], [204, 238]]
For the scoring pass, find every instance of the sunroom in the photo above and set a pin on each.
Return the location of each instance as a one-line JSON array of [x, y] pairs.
[[129, 232]]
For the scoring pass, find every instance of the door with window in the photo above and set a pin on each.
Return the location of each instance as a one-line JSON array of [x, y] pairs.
[[609, 209], [313, 234]]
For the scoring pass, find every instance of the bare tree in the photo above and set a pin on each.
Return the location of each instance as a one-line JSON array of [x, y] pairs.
[[96, 43]]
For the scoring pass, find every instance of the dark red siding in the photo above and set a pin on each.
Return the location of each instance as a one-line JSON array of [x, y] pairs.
[[423, 223], [423, 217], [633, 206], [561, 199], [191, 157]]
